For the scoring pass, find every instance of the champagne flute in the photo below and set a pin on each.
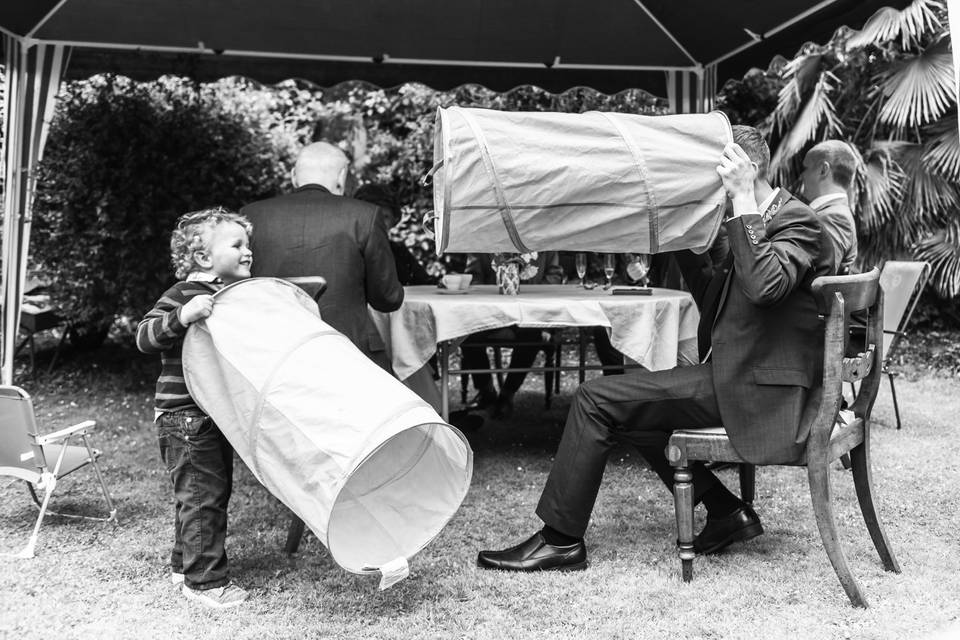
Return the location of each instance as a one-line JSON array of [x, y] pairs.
[[609, 267], [581, 267]]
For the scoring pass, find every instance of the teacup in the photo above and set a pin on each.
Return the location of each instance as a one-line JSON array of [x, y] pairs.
[[453, 281], [465, 280]]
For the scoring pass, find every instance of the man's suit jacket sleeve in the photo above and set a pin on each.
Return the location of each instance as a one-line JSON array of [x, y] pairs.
[[383, 288], [772, 261]]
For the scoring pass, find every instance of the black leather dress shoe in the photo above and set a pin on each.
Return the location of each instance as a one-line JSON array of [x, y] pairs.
[[741, 525], [534, 554]]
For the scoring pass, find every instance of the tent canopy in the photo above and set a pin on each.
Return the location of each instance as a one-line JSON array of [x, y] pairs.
[[676, 49], [609, 45]]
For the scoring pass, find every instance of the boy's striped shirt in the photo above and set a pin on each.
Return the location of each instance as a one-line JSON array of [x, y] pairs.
[[161, 332]]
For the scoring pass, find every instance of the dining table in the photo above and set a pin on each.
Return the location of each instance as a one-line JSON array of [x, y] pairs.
[[656, 329]]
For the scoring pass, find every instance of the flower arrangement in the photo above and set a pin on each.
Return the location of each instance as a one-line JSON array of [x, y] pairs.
[[526, 263]]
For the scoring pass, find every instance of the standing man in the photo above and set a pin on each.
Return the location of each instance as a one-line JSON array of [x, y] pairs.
[[316, 231], [828, 170], [762, 364]]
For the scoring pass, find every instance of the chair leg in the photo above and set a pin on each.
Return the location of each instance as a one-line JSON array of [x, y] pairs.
[[111, 510], [893, 392], [683, 504], [863, 483], [464, 387], [822, 497], [748, 482], [294, 534], [49, 484], [548, 375], [498, 361]]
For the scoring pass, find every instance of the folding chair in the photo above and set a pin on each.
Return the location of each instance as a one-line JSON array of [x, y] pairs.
[[828, 439], [26, 455], [902, 284]]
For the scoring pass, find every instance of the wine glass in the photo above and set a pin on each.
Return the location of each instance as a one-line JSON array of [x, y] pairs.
[[581, 267], [639, 267], [609, 267]]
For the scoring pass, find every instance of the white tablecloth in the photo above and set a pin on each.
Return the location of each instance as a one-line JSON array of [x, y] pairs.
[[658, 331]]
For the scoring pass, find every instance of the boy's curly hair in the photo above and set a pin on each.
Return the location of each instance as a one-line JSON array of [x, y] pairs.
[[188, 236]]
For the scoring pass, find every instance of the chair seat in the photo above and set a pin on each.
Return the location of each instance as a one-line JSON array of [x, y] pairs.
[[711, 443], [73, 459]]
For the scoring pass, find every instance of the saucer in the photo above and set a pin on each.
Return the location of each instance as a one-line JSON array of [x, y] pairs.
[[450, 292]]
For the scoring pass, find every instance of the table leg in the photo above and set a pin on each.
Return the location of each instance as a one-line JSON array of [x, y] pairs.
[[443, 358]]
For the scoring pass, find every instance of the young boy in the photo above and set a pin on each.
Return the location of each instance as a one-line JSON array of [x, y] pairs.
[[209, 249]]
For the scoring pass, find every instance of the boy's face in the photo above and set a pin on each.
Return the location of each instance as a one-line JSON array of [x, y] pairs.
[[228, 252]]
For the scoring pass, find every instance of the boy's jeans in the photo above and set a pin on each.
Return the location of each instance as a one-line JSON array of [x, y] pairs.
[[199, 460]]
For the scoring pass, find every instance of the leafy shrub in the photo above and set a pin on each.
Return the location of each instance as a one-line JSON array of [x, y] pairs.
[[123, 160]]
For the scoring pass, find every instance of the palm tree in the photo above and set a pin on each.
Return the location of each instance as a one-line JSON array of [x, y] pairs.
[[888, 89]]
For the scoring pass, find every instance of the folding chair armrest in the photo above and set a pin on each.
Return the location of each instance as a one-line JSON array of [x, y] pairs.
[[56, 436], [894, 332]]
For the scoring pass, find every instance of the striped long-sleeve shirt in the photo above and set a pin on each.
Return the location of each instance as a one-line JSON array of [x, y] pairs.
[[161, 332]]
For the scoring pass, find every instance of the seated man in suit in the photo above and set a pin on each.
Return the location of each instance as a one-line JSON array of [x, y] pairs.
[[828, 170], [316, 231], [757, 375]]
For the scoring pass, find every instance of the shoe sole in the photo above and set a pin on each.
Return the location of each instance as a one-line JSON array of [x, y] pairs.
[[747, 533], [579, 566], [190, 595]]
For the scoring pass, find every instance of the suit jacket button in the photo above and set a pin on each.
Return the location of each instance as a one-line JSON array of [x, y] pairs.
[[749, 227], [755, 242]]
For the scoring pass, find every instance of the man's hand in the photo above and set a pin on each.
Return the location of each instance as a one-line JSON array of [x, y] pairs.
[[196, 308], [738, 173]]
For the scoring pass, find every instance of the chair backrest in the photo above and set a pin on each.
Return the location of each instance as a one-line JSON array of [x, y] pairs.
[[20, 455], [902, 283], [838, 297]]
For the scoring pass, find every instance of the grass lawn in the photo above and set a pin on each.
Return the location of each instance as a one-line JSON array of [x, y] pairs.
[[90, 580]]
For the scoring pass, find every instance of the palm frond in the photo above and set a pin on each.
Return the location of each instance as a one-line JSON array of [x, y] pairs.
[[909, 24], [800, 74], [919, 89], [880, 186], [942, 149], [818, 114], [942, 251], [928, 198]]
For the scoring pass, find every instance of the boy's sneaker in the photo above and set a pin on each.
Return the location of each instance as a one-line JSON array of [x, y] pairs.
[[176, 578], [229, 595]]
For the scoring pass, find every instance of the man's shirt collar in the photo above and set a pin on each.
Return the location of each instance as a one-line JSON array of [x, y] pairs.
[[817, 203]]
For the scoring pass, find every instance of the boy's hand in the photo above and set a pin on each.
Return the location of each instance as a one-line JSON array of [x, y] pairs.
[[195, 309]]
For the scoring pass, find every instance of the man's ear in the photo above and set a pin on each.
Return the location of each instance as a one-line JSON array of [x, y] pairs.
[[825, 170], [342, 180], [293, 178]]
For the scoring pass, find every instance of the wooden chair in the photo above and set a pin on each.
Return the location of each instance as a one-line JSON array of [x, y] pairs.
[[828, 439], [27, 455]]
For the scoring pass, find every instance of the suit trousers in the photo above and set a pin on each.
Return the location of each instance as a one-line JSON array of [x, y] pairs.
[[641, 408]]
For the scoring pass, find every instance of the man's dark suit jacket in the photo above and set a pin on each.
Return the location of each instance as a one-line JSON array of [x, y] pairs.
[[312, 232], [764, 328]]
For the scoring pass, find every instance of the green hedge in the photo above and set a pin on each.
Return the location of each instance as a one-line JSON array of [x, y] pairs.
[[124, 159]]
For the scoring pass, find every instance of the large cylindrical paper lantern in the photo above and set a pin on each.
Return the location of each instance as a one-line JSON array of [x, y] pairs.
[[362, 460], [611, 182]]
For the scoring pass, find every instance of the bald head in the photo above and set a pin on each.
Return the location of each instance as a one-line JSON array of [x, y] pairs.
[[321, 163], [829, 167]]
